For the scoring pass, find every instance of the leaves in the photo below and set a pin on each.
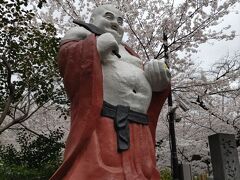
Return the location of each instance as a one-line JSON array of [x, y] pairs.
[[29, 50], [41, 2], [37, 157]]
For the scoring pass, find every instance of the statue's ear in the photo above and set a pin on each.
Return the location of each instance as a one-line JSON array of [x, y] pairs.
[[91, 19]]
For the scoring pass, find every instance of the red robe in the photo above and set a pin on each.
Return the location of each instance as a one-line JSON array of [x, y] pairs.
[[91, 147]]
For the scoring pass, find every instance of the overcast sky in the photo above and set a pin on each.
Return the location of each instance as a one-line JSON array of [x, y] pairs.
[[214, 50]]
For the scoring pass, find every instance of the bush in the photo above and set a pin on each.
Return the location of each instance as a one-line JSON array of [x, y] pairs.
[[166, 174], [37, 158]]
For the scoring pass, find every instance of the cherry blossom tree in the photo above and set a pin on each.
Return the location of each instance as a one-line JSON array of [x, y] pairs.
[[213, 107], [212, 96]]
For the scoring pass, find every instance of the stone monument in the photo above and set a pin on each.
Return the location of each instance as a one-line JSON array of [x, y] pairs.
[[224, 157]]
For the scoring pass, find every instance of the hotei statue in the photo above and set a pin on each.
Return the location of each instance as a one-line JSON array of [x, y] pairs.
[[115, 104]]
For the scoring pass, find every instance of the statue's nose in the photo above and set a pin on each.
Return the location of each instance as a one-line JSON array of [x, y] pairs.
[[114, 26]]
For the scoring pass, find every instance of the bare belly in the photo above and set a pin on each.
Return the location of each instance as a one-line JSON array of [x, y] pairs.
[[125, 84]]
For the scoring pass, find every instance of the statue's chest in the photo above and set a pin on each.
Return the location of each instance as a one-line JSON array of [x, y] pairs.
[[122, 77], [127, 73], [126, 70], [124, 82]]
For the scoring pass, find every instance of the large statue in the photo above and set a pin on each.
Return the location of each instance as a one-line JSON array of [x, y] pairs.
[[115, 104]]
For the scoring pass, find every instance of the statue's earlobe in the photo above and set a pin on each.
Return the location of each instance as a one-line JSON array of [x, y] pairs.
[[91, 19]]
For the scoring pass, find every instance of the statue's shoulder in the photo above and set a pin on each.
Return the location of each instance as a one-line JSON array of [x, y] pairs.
[[76, 33]]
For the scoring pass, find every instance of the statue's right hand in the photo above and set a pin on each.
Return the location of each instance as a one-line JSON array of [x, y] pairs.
[[157, 74], [106, 43]]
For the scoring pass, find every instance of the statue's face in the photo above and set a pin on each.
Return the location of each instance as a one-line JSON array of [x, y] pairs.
[[109, 19]]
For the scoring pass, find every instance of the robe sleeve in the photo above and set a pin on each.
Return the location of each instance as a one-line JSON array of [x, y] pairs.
[[80, 67], [158, 99]]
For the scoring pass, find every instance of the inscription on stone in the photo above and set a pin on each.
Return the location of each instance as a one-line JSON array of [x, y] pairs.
[[224, 157]]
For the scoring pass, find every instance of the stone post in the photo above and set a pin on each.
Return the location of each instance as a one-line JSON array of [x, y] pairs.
[[224, 157]]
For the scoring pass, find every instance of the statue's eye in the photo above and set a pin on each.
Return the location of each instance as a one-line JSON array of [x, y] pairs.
[[120, 21], [109, 15]]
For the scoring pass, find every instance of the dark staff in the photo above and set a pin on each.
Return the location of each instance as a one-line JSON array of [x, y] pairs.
[[94, 29], [171, 120]]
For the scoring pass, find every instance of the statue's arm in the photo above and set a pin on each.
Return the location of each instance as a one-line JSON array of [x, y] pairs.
[[159, 78], [76, 33], [74, 61], [106, 43], [157, 74]]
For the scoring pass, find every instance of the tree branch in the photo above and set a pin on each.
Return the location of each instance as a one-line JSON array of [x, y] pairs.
[[139, 40], [33, 132], [10, 88]]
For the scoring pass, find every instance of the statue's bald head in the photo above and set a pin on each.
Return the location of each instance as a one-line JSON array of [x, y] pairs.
[[108, 18], [105, 7]]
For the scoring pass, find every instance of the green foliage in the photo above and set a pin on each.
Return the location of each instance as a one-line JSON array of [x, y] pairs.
[[37, 158], [28, 50], [166, 174]]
